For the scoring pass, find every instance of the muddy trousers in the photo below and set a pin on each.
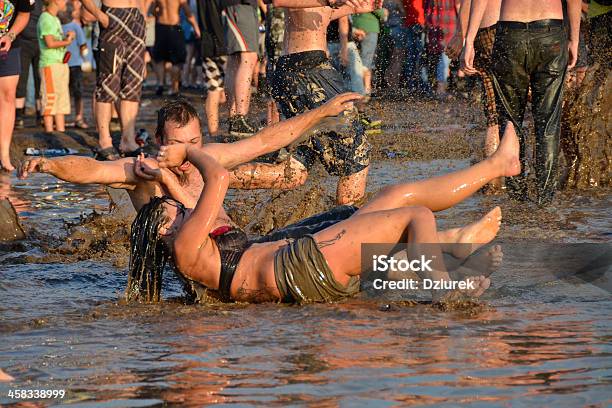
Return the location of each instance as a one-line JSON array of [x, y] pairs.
[[532, 55]]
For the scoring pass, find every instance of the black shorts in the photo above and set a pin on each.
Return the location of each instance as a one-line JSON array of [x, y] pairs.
[[10, 63], [75, 85], [304, 81], [169, 44], [30, 55]]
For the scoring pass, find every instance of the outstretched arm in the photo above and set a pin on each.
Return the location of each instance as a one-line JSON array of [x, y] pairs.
[[356, 7], [278, 135], [312, 3], [84, 170], [193, 234]]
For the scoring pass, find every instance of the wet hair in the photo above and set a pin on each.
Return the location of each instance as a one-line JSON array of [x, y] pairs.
[[178, 111], [148, 253]]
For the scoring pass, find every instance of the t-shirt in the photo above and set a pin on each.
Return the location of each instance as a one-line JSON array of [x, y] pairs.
[[48, 24], [9, 10], [29, 33], [368, 22], [75, 47]]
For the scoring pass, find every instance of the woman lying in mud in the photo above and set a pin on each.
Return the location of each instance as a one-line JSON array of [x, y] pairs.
[[321, 266]]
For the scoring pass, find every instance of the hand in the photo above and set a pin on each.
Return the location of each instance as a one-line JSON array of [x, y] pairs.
[[340, 103], [147, 170], [5, 44], [467, 61], [172, 155], [573, 54], [34, 165], [454, 47], [364, 6], [358, 34], [198, 35], [103, 19], [70, 36]]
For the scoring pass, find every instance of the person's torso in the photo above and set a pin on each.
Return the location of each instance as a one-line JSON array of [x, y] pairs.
[[306, 29], [414, 12], [49, 24], [139, 4], [367, 22], [29, 32], [491, 13], [168, 12], [528, 10]]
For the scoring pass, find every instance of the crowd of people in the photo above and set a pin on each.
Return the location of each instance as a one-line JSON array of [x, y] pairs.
[[312, 52]]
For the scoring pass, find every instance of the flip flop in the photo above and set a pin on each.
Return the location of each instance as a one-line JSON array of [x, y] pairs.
[[80, 124]]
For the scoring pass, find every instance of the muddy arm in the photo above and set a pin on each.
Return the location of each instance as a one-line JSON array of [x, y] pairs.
[[285, 176], [84, 170], [274, 137]]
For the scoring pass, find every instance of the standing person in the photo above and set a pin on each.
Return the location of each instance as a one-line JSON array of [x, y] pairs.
[[483, 63], [531, 50], [366, 27], [440, 26], [71, 20], [415, 37], [54, 71], [214, 58], [275, 33], [395, 23], [14, 20], [27, 42], [304, 79], [241, 27], [170, 39], [120, 71]]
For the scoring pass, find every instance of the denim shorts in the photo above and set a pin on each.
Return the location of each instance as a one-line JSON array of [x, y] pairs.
[[367, 49]]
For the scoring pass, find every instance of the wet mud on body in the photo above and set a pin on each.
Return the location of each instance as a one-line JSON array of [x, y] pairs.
[[535, 339]]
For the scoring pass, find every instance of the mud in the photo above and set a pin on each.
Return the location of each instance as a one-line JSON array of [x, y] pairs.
[[10, 227], [587, 131]]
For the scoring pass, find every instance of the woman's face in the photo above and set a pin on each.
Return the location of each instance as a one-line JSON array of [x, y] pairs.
[[174, 216]]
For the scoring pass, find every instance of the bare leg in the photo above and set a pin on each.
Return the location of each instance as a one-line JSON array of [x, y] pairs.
[[104, 112], [48, 121], [352, 188], [176, 78], [442, 192], [211, 107], [160, 72], [341, 243], [273, 115], [240, 68], [8, 88], [60, 125], [127, 115], [490, 146]]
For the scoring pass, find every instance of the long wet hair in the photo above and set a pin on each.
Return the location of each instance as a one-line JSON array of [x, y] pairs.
[[148, 252]]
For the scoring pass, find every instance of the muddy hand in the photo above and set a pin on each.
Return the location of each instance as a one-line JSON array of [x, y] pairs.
[[341, 103], [172, 155], [35, 165], [145, 171]]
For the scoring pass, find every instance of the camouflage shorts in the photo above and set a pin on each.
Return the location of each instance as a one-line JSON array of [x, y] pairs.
[[305, 81]]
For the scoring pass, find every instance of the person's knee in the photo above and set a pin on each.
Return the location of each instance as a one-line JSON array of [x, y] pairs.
[[420, 213]]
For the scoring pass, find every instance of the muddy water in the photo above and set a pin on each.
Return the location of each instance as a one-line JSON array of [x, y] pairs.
[[536, 341]]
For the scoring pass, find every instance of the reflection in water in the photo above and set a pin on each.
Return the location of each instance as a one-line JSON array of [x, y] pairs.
[[542, 342]]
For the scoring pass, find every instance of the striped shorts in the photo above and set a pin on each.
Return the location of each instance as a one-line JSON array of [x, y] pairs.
[[241, 26], [483, 48]]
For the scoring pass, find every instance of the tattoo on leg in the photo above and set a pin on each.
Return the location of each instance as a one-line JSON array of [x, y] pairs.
[[332, 241]]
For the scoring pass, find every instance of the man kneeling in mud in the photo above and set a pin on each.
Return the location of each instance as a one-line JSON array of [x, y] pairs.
[[178, 122], [322, 265]]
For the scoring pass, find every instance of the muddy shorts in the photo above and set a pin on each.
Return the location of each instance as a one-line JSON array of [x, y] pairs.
[[532, 56], [302, 274], [241, 26], [214, 73], [483, 47], [121, 65], [305, 81], [54, 85], [169, 44]]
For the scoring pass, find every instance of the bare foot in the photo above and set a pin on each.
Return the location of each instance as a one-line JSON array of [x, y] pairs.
[[476, 234], [507, 154], [479, 284], [5, 165], [479, 264], [5, 377]]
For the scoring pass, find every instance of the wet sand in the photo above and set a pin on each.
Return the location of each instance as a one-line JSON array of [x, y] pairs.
[[536, 339]]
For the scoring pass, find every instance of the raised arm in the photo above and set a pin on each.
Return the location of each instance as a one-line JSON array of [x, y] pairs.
[[84, 170], [312, 3], [193, 234], [356, 7], [102, 18], [278, 135]]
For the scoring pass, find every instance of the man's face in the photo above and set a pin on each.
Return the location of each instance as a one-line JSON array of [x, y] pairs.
[[188, 134]]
